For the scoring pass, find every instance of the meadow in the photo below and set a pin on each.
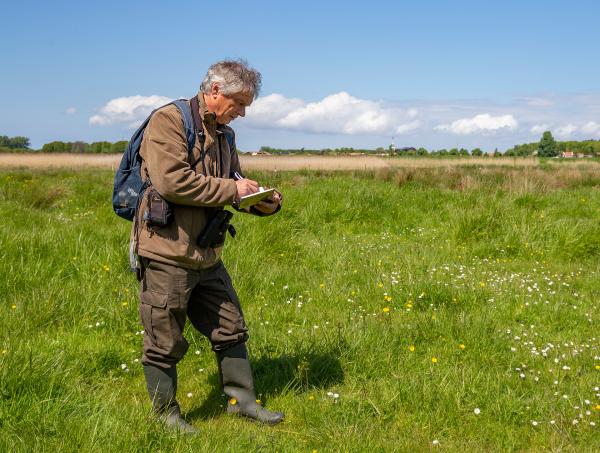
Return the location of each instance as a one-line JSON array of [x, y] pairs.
[[450, 308]]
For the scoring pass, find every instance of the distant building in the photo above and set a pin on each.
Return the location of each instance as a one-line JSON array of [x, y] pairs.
[[260, 153], [568, 154]]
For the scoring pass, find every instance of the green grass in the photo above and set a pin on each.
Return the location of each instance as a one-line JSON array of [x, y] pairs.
[[366, 277]]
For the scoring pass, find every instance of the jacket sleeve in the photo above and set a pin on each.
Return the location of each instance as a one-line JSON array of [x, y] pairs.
[[164, 150], [235, 167]]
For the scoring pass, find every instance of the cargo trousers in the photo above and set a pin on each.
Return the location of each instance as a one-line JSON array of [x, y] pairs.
[[170, 295]]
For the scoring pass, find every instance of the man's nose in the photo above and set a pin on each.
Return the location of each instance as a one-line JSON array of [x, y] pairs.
[[242, 111]]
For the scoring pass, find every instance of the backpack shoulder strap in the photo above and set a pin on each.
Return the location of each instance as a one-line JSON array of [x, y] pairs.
[[188, 122]]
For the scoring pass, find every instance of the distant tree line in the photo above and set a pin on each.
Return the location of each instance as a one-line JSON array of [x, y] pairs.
[[21, 144], [410, 151], [13, 144], [548, 147], [83, 147]]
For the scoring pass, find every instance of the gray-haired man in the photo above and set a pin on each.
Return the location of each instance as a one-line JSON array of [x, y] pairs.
[[182, 280]]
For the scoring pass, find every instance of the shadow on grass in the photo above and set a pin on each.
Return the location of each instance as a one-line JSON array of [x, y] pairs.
[[277, 375]]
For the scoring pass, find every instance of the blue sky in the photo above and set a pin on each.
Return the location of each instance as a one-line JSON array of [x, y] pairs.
[[430, 73]]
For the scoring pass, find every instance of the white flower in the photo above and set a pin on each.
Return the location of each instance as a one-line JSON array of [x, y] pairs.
[[123, 366], [197, 352], [189, 395], [477, 411], [435, 442], [534, 423]]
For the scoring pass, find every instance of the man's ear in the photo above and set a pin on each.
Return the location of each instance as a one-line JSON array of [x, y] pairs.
[[214, 90]]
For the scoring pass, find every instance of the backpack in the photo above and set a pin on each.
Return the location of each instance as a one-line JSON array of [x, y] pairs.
[[128, 186]]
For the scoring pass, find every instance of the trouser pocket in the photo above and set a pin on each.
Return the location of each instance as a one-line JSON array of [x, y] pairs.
[[164, 320]]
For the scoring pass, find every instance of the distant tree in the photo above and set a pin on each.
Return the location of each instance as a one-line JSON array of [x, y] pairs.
[[19, 142], [118, 147], [463, 152], [56, 147], [422, 152], [497, 153], [78, 147], [14, 142], [547, 146], [453, 152], [476, 152]]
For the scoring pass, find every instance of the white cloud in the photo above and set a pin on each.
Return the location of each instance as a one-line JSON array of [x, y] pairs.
[[591, 127], [566, 131], [338, 113], [404, 128], [71, 111], [539, 128], [483, 122], [130, 110]]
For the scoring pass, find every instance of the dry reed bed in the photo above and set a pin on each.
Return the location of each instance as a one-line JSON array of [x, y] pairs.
[[520, 180], [402, 166]]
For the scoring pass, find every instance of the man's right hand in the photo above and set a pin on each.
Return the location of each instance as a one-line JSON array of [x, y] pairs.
[[245, 187]]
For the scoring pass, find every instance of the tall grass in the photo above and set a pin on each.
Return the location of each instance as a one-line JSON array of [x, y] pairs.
[[445, 307]]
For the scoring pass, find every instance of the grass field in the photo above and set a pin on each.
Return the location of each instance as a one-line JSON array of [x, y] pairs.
[[396, 310]]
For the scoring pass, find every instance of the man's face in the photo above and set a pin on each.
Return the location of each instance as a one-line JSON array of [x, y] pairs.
[[228, 107]]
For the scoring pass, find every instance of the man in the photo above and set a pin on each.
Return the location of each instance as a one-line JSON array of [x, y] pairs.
[[181, 279]]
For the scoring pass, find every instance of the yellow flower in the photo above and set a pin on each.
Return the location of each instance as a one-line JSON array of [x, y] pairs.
[[106, 268], [4, 351], [482, 284], [311, 397], [386, 309], [432, 316], [380, 284], [597, 407], [258, 402], [233, 401], [408, 305], [598, 367], [411, 348], [434, 360], [124, 304], [461, 346], [13, 306], [322, 285]]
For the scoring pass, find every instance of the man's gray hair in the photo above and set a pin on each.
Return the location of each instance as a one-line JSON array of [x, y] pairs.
[[232, 76]]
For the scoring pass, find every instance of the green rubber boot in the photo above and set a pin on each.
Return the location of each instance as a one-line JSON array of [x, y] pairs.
[[238, 385], [162, 387]]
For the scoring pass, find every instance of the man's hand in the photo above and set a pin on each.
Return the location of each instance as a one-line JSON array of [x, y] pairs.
[[245, 187], [269, 205]]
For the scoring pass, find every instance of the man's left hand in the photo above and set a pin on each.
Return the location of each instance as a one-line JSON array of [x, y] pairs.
[[270, 205]]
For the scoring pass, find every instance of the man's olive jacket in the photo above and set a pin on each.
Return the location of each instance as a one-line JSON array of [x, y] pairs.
[[165, 160]]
